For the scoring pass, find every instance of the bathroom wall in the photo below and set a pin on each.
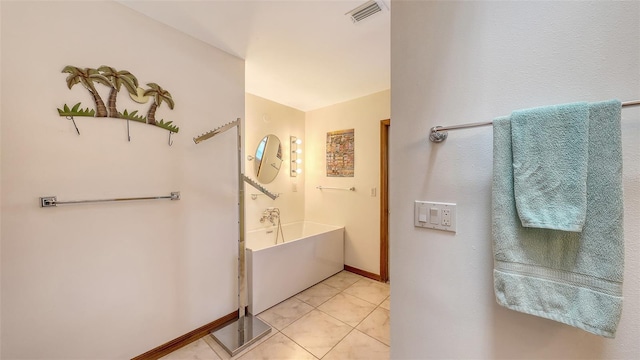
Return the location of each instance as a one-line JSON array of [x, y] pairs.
[[112, 280], [265, 117], [0, 184], [358, 211], [460, 62]]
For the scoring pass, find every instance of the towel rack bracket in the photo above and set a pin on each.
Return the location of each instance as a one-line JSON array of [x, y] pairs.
[[48, 201], [437, 135]]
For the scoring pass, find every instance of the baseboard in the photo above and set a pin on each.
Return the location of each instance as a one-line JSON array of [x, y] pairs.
[[186, 339], [363, 273]]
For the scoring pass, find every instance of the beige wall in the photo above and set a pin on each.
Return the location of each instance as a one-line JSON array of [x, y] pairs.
[[112, 280], [460, 62], [267, 117], [358, 211]]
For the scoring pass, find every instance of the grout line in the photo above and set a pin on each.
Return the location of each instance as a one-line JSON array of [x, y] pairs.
[[378, 307], [364, 333], [317, 308], [303, 348], [338, 343], [336, 318]]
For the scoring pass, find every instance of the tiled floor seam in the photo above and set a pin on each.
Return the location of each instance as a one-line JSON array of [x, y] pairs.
[[364, 333], [369, 313], [378, 340], [339, 341], [305, 349]]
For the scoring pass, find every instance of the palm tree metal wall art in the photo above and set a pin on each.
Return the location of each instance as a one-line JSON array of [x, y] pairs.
[[115, 80], [87, 77]]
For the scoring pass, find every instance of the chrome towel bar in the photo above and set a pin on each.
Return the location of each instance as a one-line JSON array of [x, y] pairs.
[[335, 188], [51, 201], [440, 133]]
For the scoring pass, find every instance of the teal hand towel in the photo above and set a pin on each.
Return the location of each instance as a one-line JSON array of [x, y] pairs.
[[550, 165], [570, 277]]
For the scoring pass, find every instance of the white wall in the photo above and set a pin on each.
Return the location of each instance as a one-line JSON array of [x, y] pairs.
[[358, 211], [267, 117], [459, 62], [0, 182], [112, 280]]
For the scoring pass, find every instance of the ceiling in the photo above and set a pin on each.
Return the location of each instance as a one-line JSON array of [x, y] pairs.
[[305, 54]]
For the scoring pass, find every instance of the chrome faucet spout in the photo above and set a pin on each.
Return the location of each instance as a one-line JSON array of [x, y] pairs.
[[272, 214]]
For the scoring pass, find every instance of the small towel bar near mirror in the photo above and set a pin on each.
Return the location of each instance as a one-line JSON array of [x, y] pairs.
[[353, 188]]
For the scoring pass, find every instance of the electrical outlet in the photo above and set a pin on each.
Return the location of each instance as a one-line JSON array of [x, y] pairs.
[[446, 217], [435, 215]]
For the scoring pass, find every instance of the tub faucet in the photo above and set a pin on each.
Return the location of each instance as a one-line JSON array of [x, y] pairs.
[[271, 214]]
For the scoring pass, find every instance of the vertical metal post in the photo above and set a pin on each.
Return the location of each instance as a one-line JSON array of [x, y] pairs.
[[242, 279], [240, 334]]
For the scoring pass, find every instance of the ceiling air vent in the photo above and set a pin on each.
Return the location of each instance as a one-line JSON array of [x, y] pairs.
[[366, 10]]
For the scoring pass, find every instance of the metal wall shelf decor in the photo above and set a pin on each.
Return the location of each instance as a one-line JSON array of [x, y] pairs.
[[115, 80]]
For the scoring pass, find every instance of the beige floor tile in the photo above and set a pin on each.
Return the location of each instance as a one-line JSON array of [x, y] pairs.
[[283, 314], [317, 332], [372, 291], [347, 308], [197, 350], [358, 346], [386, 304], [224, 355], [377, 326], [278, 347], [342, 280], [317, 294]]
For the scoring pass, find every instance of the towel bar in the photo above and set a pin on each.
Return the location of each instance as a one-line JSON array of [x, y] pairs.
[[336, 188], [439, 133], [51, 201]]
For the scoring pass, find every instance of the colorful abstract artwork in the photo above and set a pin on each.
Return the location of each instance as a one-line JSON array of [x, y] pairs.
[[340, 153]]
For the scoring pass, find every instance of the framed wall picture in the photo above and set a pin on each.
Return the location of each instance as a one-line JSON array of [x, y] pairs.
[[340, 153]]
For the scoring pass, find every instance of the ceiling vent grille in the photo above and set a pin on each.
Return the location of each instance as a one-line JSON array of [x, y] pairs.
[[366, 10]]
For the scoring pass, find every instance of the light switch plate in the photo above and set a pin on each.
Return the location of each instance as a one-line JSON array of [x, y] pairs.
[[446, 215]]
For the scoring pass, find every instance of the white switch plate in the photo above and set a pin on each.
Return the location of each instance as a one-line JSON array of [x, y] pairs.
[[446, 215]]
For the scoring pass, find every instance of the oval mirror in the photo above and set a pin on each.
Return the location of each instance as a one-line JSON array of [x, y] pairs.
[[268, 159]]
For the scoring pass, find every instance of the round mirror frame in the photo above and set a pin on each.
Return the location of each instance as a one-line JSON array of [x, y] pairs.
[[268, 159]]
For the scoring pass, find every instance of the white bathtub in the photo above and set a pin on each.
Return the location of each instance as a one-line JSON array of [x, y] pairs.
[[311, 253]]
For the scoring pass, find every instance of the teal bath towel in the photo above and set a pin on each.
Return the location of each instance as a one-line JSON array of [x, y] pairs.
[[550, 165], [570, 277]]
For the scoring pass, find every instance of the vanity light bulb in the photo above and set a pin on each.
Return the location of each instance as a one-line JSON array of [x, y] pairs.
[[298, 141], [299, 151], [299, 161], [299, 171]]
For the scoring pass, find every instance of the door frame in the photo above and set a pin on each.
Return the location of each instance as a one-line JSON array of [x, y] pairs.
[[384, 199]]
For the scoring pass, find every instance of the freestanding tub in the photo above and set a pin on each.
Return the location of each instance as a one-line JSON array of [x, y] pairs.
[[311, 253]]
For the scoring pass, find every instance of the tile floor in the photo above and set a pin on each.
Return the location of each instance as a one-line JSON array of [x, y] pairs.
[[344, 317]]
